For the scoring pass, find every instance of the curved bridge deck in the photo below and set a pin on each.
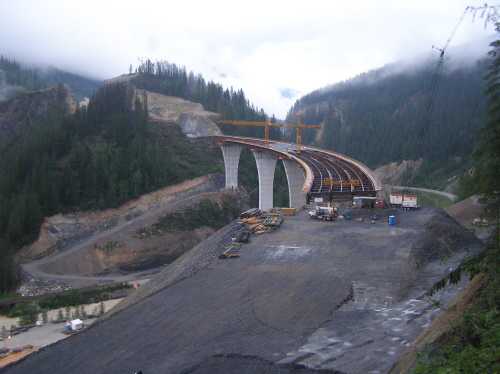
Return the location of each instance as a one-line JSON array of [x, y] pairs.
[[321, 167]]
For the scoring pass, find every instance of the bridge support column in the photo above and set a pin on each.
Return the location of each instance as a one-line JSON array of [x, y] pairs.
[[266, 164], [231, 154], [295, 176]]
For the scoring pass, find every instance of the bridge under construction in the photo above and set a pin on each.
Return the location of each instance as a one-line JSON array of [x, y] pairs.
[[312, 173]]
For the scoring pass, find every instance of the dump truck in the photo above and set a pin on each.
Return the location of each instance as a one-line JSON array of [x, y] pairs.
[[325, 213]]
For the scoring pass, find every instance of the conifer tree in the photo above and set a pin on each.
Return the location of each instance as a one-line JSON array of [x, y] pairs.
[[487, 154]]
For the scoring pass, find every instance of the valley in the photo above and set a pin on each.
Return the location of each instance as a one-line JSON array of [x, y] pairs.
[[343, 296]]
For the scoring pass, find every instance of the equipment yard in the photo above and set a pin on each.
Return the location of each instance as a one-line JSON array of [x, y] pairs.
[[343, 296]]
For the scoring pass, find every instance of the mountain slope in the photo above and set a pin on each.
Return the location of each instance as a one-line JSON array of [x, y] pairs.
[[17, 114], [101, 156], [16, 79], [377, 118]]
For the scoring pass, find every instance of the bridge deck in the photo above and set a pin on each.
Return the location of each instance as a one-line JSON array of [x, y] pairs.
[[319, 165]]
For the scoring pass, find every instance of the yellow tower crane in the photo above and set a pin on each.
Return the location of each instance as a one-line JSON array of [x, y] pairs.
[[300, 126], [266, 125]]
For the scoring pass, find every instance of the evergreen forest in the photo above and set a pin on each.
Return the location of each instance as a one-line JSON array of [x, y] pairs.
[[102, 156], [108, 152], [378, 118], [16, 79]]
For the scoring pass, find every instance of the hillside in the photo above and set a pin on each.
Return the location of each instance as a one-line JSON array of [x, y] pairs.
[[288, 303], [89, 233], [16, 79], [62, 158], [377, 118], [18, 115]]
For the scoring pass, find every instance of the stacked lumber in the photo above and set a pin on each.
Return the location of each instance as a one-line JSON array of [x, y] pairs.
[[251, 220], [250, 213], [258, 228]]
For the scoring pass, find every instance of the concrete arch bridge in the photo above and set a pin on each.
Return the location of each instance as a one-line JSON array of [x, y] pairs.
[[311, 172]]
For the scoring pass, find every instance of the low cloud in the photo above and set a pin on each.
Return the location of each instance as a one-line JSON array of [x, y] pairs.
[[6, 90]]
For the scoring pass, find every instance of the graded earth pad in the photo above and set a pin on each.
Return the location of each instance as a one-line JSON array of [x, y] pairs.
[[342, 296]]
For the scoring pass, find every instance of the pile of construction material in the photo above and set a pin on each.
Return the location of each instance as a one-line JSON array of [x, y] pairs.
[[255, 223], [231, 251], [250, 213], [286, 211], [264, 223]]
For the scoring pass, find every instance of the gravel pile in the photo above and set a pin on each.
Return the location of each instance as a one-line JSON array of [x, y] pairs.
[[35, 287]]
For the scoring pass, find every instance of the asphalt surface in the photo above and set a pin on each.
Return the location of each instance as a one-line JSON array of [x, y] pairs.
[[342, 295]]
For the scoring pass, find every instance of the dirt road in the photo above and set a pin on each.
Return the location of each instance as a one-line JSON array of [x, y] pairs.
[[38, 269], [448, 195]]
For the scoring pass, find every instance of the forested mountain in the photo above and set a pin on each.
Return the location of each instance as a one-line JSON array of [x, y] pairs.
[[169, 79], [16, 79], [102, 154], [377, 118]]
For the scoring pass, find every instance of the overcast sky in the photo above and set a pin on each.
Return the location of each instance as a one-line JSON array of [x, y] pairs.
[[276, 51]]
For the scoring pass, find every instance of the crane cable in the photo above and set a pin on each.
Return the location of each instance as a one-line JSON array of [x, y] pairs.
[[431, 99]]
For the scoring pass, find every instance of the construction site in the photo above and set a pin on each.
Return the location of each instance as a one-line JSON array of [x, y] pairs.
[[279, 291], [336, 283]]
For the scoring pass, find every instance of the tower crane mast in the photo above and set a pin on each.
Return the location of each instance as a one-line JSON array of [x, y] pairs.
[[300, 126]]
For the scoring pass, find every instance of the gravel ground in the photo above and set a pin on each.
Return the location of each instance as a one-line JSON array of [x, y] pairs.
[[342, 296]]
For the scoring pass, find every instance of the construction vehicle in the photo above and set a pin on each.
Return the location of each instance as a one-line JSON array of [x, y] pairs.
[[325, 213]]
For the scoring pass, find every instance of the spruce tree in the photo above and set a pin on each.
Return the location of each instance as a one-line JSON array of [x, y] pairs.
[[487, 154]]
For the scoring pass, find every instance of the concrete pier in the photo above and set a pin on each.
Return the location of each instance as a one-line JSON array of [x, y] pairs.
[[266, 164], [295, 176], [231, 154]]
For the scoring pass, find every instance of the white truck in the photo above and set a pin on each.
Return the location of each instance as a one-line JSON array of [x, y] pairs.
[[325, 213], [410, 202]]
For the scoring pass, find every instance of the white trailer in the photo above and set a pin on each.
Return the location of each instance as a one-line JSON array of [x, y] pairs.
[[396, 199], [410, 202]]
